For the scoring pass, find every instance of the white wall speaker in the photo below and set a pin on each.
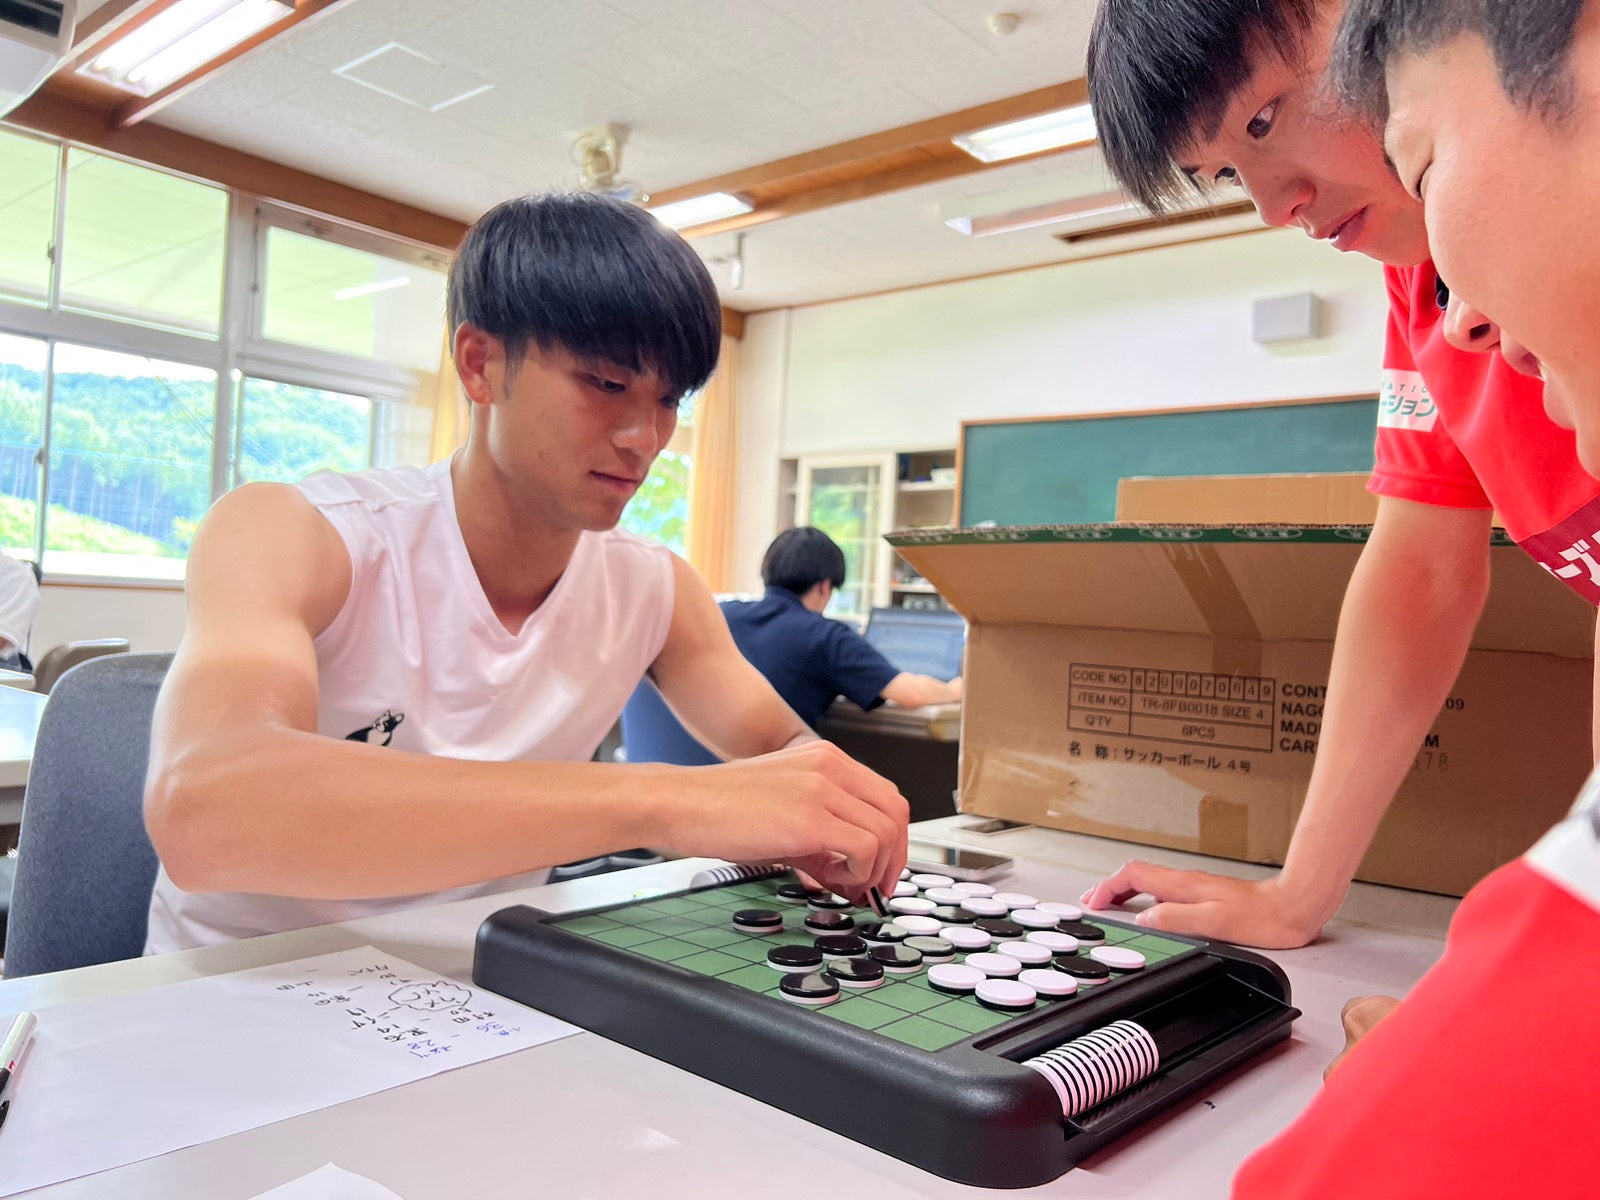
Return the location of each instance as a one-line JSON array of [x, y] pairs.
[[1286, 319]]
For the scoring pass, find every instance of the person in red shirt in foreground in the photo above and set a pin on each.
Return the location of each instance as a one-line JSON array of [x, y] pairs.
[[1232, 93], [1482, 1082]]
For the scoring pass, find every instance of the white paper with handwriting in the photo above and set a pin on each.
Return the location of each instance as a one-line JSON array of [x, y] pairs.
[[122, 1078]]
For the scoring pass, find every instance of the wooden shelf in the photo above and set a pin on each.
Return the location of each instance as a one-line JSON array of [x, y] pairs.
[[925, 589], [927, 486]]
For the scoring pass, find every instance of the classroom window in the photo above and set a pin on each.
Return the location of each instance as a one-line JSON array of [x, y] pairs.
[[403, 435], [28, 170], [331, 296], [285, 433], [120, 400], [130, 444], [142, 245], [844, 502], [659, 510], [23, 363]]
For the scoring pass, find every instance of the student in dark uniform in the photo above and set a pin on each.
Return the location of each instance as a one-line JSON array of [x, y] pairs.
[[809, 659]]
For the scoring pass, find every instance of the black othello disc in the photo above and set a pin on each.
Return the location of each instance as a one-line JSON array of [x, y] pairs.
[[841, 945], [1084, 970], [1089, 935], [882, 933], [932, 949], [795, 958], [827, 901], [809, 989], [829, 922], [1000, 929], [897, 960], [856, 972]]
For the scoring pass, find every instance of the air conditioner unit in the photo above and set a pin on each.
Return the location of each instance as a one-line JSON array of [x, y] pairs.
[[35, 36]]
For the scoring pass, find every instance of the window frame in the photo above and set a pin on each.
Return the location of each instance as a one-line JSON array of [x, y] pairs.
[[236, 352]]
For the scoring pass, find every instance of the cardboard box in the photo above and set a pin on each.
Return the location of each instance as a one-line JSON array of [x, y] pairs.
[[1334, 499], [1164, 685]]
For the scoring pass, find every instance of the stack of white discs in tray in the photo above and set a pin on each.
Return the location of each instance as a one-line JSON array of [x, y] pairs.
[[1093, 1068]]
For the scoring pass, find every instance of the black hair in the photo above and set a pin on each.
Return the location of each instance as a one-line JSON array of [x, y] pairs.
[[1530, 41], [593, 276], [801, 558], [1163, 71]]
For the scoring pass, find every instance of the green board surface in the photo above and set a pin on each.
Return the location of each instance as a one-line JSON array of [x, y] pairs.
[[694, 931], [1065, 472]]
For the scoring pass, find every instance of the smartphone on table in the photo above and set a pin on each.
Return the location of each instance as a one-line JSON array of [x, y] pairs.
[[974, 866]]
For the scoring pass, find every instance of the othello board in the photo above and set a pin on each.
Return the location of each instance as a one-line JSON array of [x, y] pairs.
[[998, 1064]]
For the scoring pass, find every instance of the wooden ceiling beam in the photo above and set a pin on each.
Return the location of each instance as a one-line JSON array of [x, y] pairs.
[[865, 187], [58, 112], [50, 111], [888, 141]]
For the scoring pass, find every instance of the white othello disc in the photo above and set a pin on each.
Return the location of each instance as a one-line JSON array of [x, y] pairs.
[[1047, 982], [1029, 954], [1035, 918], [997, 965], [965, 937], [1006, 993], [1067, 912], [1118, 958], [1056, 943]]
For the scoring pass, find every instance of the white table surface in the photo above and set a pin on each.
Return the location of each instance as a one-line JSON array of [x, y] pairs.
[[587, 1119], [19, 726]]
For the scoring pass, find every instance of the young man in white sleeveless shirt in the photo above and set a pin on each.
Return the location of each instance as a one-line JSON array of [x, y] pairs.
[[391, 683]]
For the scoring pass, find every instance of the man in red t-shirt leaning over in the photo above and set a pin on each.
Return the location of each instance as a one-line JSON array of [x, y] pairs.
[[1483, 1082], [1215, 93]]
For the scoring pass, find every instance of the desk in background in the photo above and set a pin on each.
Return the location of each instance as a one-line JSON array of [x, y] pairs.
[[916, 749], [585, 1117], [19, 726]]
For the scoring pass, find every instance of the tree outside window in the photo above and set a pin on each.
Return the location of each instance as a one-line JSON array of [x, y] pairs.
[[659, 510]]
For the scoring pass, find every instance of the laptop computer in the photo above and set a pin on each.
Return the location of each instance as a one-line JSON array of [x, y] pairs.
[[919, 641]]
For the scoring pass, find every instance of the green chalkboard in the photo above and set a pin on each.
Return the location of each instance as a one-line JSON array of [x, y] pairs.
[[1064, 471]]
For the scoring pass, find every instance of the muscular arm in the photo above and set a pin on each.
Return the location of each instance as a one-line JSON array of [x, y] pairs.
[[244, 795], [729, 706], [1403, 633], [721, 699]]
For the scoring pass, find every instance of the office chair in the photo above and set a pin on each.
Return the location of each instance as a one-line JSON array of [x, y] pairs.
[[58, 660], [85, 866], [651, 733]]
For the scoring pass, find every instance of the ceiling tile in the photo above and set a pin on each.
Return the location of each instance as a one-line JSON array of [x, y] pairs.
[[707, 87], [336, 36], [830, 18]]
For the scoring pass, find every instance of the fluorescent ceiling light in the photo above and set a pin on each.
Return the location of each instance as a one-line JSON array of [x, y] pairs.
[[1085, 210], [1049, 131], [368, 289], [179, 39], [701, 210]]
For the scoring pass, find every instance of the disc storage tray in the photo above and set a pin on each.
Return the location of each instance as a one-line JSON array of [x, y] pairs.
[[961, 1088]]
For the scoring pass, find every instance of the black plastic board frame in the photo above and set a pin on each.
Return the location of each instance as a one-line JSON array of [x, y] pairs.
[[969, 1112]]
